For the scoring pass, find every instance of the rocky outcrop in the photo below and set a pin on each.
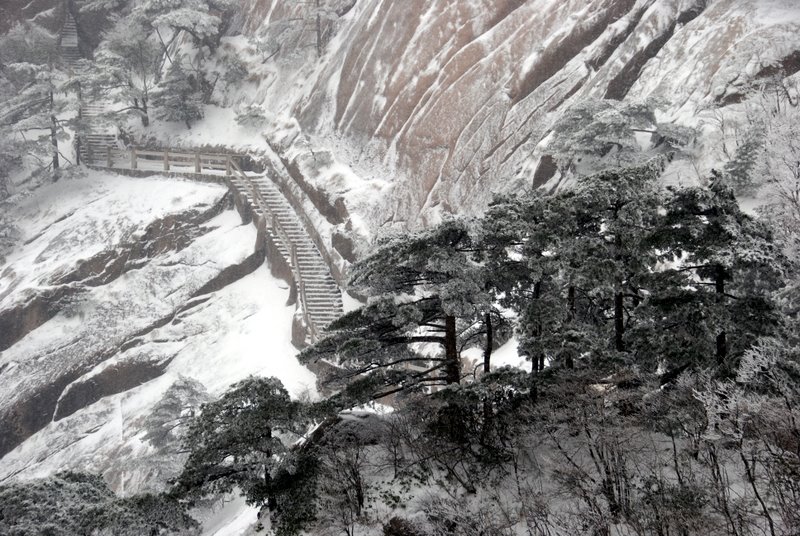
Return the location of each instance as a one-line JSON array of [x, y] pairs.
[[113, 379], [46, 13], [104, 305], [452, 101], [172, 233]]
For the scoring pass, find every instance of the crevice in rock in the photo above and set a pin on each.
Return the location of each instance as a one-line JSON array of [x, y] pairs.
[[233, 273], [31, 414], [554, 58], [124, 376], [114, 379], [786, 67], [545, 170], [621, 84], [607, 51]]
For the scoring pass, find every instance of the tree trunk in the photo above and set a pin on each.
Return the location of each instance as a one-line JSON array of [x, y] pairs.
[[487, 351], [488, 415], [538, 357], [568, 361], [143, 109], [571, 304], [453, 366], [319, 31], [54, 141], [722, 343], [619, 322], [54, 135]]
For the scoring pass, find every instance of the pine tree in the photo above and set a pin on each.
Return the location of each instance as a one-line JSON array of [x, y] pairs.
[[71, 503], [237, 441], [204, 20], [425, 288], [741, 168], [714, 298], [179, 98], [594, 135], [31, 122], [580, 259], [127, 63]]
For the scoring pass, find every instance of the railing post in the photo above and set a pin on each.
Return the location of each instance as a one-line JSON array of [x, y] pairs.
[[133, 157], [227, 164], [108, 156], [166, 160], [198, 168]]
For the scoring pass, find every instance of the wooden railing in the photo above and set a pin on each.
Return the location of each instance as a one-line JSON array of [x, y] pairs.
[[168, 159], [200, 162], [278, 229]]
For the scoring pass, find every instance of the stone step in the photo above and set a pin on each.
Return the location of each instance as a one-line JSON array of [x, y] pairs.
[[323, 299]]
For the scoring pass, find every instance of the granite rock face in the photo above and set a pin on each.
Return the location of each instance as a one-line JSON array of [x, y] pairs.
[[450, 100], [125, 303]]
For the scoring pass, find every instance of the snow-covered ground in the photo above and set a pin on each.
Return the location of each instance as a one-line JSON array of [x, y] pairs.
[[147, 323]]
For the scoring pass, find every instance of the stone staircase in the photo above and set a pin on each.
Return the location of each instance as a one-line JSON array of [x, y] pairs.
[[319, 296], [69, 42], [95, 143]]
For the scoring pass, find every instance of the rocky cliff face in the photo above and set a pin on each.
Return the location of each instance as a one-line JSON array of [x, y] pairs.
[[450, 100], [125, 304]]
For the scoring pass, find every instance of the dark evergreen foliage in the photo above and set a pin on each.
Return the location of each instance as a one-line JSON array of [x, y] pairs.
[[429, 287], [236, 442], [75, 503], [637, 306]]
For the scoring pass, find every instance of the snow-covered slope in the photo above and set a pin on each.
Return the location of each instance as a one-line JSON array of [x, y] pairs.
[[143, 298], [448, 100], [128, 302]]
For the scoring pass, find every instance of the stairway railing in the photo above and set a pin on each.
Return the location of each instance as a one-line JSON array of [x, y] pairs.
[[201, 162], [275, 224]]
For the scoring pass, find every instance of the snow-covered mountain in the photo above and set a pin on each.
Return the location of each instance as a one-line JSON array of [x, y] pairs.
[[449, 100], [415, 109], [130, 302]]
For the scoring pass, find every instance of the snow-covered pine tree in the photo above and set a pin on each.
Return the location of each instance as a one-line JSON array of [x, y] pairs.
[[236, 442], [31, 120], [203, 20], [741, 168], [127, 63], [424, 288], [179, 97], [70, 503], [714, 296], [595, 135], [251, 115], [579, 259]]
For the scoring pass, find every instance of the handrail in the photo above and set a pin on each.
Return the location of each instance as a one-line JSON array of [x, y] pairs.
[[328, 255], [171, 157], [288, 242], [231, 166]]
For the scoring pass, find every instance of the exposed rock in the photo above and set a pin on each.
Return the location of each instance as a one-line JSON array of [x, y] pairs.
[[116, 378], [46, 13], [172, 233], [451, 101], [102, 304], [344, 245]]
